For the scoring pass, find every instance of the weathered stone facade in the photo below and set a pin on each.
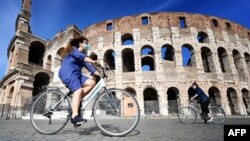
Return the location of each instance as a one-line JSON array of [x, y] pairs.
[[219, 61]]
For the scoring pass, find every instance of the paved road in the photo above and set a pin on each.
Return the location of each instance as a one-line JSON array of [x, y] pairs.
[[163, 129]]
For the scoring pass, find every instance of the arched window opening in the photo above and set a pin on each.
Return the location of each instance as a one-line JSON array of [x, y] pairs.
[[151, 105], [36, 52], [128, 60], [188, 58], [147, 58], [202, 37], [127, 39], [109, 59]]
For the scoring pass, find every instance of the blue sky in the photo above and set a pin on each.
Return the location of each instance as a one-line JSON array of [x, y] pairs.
[[50, 16]]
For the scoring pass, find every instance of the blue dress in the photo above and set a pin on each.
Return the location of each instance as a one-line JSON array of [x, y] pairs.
[[70, 72]]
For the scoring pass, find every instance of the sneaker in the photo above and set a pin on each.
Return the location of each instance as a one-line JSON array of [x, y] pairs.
[[210, 119], [78, 120]]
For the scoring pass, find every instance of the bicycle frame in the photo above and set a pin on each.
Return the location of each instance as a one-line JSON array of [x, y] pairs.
[[195, 107]]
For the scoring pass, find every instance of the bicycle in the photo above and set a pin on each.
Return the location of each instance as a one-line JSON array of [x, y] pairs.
[[115, 111], [188, 115]]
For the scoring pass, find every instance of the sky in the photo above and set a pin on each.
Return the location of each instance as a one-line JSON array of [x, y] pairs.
[[50, 16]]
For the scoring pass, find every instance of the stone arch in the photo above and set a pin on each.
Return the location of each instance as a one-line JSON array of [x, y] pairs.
[[238, 64], [147, 58], [109, 59], [41, 79], [233, 101], [224, 60], [128, 60], [202, 37], [207, 60], [214, 96], [188, 57], [36, 52], [167, 53], [246, 99], [173, 96], [247, 60], [150, 97], [131, 90], [48, 63], [58, 58], [127, 39], [10, 96]]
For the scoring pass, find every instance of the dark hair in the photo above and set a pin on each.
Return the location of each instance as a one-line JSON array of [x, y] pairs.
[[194, 83], [73, 42]]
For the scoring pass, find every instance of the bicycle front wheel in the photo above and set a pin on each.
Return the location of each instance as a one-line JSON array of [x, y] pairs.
[[187, 115], [116, 112], [50, 112], [218, 114]]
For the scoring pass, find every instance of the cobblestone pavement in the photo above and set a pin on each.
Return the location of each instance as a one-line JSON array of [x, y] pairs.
[[160, 129]]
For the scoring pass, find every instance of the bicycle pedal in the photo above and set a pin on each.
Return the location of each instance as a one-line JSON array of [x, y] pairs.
[[76, 125]]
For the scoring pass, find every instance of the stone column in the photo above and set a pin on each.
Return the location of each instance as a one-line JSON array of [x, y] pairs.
[[217, 65], [163, 102], [225, 102], [140, 100], [13, 100]]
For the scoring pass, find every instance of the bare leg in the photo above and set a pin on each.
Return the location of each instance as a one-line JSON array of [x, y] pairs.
[[79, 94], [87, 87], [76, 101]]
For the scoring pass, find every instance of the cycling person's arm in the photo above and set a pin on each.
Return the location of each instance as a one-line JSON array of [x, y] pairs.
[[192, 98]]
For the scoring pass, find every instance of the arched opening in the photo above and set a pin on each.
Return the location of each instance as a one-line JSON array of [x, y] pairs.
[[224, 60], [131, 90], [173, 100], [202, 37], [48, 63], [214, 96], [128, 60], [58, 58], [233, 101], [207, 59], [188, 58], [109, 59], [238, 64], [151, 105], [147, 58], [246, 99], [41, 79], [127, 39], [36, 52], [167, 53], [247, 59]]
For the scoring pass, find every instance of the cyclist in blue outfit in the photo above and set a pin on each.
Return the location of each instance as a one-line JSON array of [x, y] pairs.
[[74, 59], [203, 100]]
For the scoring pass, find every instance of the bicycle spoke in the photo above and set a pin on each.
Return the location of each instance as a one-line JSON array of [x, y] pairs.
[[116, 119], [46, 120]]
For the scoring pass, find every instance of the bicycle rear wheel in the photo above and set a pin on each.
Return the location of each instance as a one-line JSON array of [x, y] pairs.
[[50, 112], [187, 115], [218, 114], [116, 113]]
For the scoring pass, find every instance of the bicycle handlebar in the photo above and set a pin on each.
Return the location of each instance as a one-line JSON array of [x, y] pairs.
[[102, 74]]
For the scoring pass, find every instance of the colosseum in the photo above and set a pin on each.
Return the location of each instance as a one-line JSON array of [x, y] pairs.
[[155, 56]]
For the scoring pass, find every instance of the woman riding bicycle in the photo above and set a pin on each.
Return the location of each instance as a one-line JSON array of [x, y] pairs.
[[74, 59], [203, 100]]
